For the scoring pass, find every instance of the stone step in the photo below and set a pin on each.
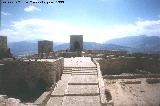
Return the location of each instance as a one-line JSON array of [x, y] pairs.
[[79, 84], [83, 80], [61, 86], [55, 101], [65, 77], [59, 91], [80, 67], [82, 90], [84, 73], [67, 72], [65, 68], [84, 68], [81, 101]]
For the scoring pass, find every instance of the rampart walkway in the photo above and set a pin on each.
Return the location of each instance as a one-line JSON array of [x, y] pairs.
[[79, 85]]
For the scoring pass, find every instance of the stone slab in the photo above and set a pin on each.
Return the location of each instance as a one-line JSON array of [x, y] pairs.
[[90, 67], [61, 86], [55, 101], [84, 73], [67, 72], [59, 91], [83, 79], [81, 101], [87, 72], [94, 72], [84, 68], [65, 77], [67, 69], [82, 90], [78, 62]]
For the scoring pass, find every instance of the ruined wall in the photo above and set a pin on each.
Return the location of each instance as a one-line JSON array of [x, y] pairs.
[[129, 65], [31, 78]]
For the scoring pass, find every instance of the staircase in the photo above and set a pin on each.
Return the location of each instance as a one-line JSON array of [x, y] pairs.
[[79, 84]]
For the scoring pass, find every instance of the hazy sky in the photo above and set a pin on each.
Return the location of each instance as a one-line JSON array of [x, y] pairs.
[[97, 20]]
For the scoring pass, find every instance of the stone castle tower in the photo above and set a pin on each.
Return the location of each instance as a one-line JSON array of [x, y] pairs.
[[4, 50], [76, 43], [45, 47]]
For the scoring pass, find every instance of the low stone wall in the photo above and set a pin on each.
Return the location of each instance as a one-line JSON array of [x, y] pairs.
[[103, 96], [132, 76], [116, 66], [29, 79], [131, 82], [153, 80]]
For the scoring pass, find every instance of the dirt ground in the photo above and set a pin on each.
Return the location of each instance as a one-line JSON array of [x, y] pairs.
[[133, 92]]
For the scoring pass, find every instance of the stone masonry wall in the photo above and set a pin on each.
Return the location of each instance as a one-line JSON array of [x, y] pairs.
[[22, 79], [129, 65]]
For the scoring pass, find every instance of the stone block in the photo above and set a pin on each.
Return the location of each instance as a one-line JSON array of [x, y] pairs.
[[61, 86], [55, 101], [59, 90], [83, 80], [81, 101], [82, 90], [84, 73]]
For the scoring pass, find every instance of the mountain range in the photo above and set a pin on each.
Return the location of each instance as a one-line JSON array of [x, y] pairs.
[[132, 44], [143, 43]]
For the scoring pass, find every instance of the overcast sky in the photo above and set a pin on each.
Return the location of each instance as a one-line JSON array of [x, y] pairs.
[[97, 20]]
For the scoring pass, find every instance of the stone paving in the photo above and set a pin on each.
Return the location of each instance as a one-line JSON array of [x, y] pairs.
[[79, 85]]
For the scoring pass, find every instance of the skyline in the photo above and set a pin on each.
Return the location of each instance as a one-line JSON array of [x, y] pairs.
[[97, 20]]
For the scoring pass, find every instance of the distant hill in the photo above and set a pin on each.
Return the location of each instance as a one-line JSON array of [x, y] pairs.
[[143, 44], [93, 45], [30, 47], [23, 47]]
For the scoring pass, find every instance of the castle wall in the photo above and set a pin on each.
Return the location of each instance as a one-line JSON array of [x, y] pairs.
[[129, 65], [32, 77], [1, 69]]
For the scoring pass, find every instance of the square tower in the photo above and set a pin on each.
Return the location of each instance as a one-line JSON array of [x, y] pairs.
[[3, 42], [45, 46], [4, 50], [76, 43]]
